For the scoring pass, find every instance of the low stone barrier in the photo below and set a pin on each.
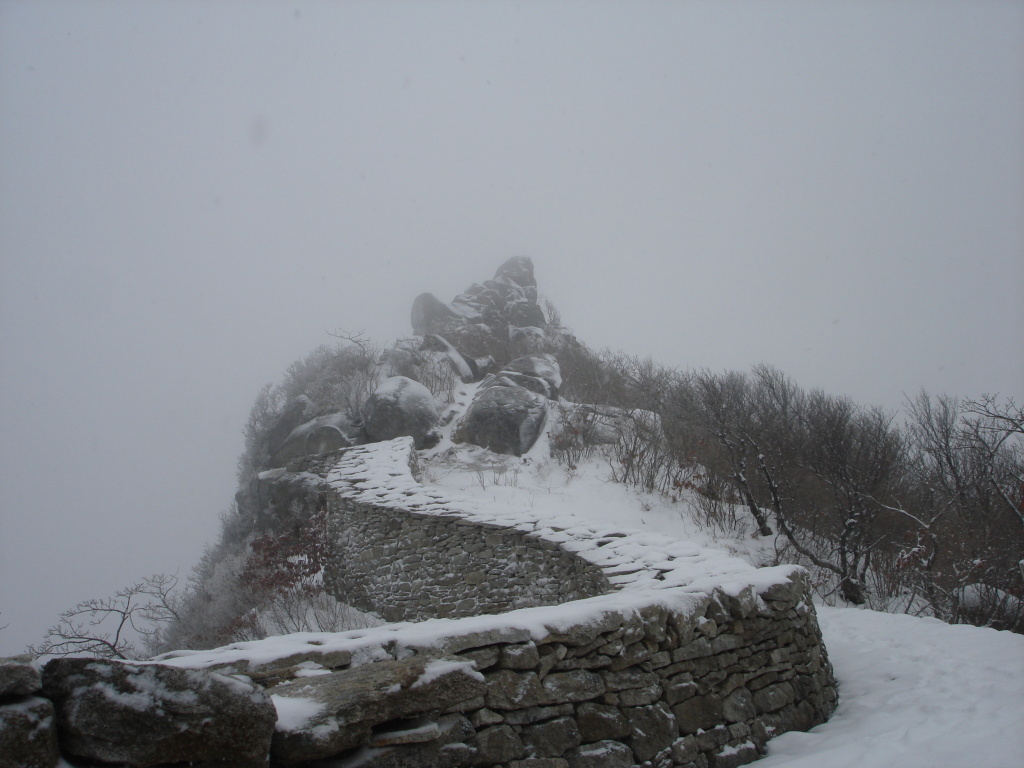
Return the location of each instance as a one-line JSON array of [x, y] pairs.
[[629, 648]]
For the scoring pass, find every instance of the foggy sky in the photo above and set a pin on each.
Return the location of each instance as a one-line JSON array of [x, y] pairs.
[[193, 194]]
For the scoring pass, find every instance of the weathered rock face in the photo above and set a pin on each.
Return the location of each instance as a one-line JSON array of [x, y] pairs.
[[322, 434], [504, 419], [347, 706], [18, 677], [28, 730], [399, 407], [494, 308], [510, 409], [28, 736], [151, 714], [538, 373]]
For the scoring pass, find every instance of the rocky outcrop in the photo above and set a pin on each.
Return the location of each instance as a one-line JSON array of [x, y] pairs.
[[503, 418], [399, 407], [151, 714], [319, 435], [509, 410], [486, 314]]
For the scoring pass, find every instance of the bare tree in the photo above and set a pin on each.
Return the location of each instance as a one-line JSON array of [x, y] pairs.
[[111, 627]]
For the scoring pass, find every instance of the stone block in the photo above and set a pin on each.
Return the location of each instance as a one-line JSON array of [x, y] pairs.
[[355, 701], [601, 721], [601, 754], [698, 713], [520, 656], [635, 697], [508, 689], [652, 729], [552, 738], [18, 677], [536, 714], [774, 697], [574, 685], [497, 745], [148, 714], [738, 706], [629, 678], [28, 734]]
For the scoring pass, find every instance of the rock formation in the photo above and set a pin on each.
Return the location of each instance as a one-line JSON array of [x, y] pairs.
[[484, 315], [399, 407], [510, 408], [151, 714]]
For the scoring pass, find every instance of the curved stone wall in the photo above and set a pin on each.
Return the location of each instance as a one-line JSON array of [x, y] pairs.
[[408, 555], [657, 653]]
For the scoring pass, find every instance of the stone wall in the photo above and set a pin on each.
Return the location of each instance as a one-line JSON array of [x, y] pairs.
[[659, 654], [409, 567]]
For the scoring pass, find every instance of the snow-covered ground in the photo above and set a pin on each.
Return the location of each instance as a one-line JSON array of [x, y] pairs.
[[914, 692]]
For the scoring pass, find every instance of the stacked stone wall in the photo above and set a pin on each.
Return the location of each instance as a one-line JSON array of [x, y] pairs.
[[409, 567], [603, 651]]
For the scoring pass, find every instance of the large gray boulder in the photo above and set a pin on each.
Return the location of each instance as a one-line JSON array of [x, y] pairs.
[[18, 676], [322, 434], [151, 714], [325, 715], [538, 373], [429, 312], [28, 734], [400, 407], [503, 418]]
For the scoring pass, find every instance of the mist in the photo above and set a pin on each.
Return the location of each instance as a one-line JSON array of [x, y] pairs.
[[192, 195]]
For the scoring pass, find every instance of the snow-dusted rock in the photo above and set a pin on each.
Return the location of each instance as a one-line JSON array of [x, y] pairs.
[[542, 369], [430, 313], [152, 714], [18, 677], [322, 434], [399, 407], [504, 419], [28, 734], [325, 715], [463, 367], [509, 300], [292, 416]]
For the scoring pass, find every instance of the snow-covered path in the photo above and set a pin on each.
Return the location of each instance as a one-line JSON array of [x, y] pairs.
[[914, 693]]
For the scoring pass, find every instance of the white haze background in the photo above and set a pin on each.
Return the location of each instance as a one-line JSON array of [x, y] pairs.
[[192, 194]]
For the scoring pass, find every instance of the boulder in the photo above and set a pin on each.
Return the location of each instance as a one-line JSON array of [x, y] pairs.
[[18, 677], [508, 300], [429, 312], [518, 269], [325, 715], [291, 417], [28, 734], [503, 419], [322, 434], [543, 368], [399, 407], [152, 714], [462, 366]]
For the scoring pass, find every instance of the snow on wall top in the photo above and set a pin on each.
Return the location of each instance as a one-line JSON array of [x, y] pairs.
[[381, 474], [645, 568]]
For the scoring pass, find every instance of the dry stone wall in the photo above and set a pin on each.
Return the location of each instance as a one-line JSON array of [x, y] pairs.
[[657, 653], [409, 565]]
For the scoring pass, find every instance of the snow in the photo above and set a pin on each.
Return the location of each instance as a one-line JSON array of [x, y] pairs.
[[441, 667], [293, 712], [914, 693]]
